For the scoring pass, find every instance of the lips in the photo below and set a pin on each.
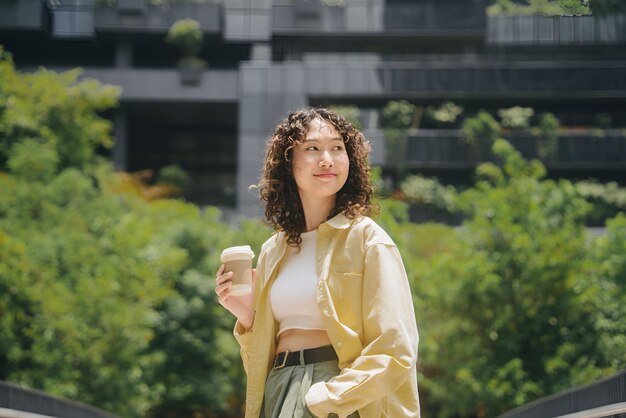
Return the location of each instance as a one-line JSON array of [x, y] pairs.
[[325, 175]]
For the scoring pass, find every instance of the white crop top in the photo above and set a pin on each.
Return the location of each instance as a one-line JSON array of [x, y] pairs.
[[293, 293]]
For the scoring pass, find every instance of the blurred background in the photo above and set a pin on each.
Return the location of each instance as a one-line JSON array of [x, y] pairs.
[[131, 130]]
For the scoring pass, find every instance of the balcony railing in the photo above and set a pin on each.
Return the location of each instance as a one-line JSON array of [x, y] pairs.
[[393, 16], [556, 30], [23, 14], [158, 19], [496, 77], [445, 148]]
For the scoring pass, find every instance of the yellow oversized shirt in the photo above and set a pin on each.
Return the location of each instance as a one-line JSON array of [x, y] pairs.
[[365, 301]]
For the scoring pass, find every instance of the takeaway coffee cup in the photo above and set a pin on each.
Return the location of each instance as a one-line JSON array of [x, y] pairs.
[[239, 261]]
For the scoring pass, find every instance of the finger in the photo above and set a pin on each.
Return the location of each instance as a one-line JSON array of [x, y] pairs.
[[224, 277], [220, 271], [253, 277], [222, 299], [223, 288]]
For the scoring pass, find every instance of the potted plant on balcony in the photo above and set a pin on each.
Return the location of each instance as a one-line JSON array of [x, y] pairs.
[[186, 35]]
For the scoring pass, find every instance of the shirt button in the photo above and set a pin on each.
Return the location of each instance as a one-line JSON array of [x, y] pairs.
[[325, 312], [339, 345]]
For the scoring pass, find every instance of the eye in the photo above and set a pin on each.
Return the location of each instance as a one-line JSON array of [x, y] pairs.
[[311, 148], [338, 147]]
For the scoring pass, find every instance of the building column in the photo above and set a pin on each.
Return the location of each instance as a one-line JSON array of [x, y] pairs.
[[269, 91]]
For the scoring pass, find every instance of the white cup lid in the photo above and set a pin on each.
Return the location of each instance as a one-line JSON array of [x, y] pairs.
[[229, 252]]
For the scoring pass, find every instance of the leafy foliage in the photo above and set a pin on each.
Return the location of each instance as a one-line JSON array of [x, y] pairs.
[[398, 117], [541, 7], [557, 7], [186, 35], [507, 309], [608, 199], [398, 114], [105, 287], [480, 131], [351, 113], [429, 191], [547, 130], [65, 118], [447, 113], [516, 117]]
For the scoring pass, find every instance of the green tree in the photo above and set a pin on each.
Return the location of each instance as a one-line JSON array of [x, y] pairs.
[[54, 110], [608, 294], [106, 290], [511, 311], [398, 118], [350, 112], [608, 199], [202, 373], [479, 132]]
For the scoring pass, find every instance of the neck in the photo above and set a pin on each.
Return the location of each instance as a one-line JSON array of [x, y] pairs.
[[316, 211]]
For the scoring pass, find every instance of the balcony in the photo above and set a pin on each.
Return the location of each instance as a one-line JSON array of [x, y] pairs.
[[82, 19], [155, 85], [138, 17], [450, 80], [444, 148], [391, 17], [21, 14], [73, 19], [556, 30], [515, 78]]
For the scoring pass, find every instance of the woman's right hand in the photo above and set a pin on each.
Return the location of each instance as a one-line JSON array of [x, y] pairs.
[[240, 306]]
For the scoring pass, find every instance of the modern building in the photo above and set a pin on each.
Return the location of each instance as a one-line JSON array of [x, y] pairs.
[[267, 57]]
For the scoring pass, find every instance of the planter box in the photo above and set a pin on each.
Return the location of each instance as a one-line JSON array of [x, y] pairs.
[[191, 76]]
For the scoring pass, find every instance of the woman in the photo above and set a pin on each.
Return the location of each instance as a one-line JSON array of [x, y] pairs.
[[330, 326]]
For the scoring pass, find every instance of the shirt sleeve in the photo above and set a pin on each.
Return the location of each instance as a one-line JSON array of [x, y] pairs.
[[390, 337], [244, 338], [242, 335]]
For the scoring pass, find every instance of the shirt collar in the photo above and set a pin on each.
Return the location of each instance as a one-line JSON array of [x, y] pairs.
[[339, 221]]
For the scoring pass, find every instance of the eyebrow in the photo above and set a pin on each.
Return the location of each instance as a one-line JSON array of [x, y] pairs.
[[331, 139]]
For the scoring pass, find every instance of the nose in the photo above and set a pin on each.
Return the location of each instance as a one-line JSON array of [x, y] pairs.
[[326, 160]]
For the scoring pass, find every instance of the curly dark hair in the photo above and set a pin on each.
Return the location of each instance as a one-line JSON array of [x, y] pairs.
[[278, 189]]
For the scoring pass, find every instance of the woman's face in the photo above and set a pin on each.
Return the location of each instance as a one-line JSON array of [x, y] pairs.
[[320, 161]]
